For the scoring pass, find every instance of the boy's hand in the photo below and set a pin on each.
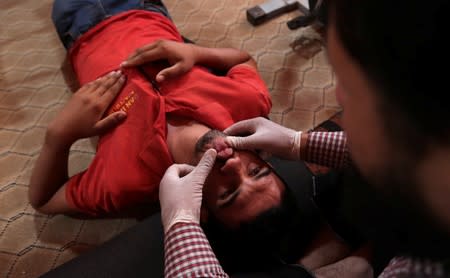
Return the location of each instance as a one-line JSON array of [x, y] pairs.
[[181, 57], [82, 115]]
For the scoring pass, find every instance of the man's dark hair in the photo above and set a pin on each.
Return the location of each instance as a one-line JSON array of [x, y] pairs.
[[261, 242], [395, 220], [401, 46]]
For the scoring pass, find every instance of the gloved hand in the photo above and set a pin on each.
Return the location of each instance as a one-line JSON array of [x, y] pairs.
[[180, 191], [264, 135]]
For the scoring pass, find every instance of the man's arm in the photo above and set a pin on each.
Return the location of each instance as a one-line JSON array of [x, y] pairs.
[[325, 148], [80, 118], [188, 253], [410, 267], [183, 56]]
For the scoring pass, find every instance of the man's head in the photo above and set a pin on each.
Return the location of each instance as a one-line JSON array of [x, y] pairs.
[[385, 55]]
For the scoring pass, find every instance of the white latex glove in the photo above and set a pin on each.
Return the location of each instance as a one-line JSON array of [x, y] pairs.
[[264, 135], [180, 191]]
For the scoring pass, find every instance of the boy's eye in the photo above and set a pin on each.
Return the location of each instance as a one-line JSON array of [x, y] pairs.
[[225, 194], [254, 171]]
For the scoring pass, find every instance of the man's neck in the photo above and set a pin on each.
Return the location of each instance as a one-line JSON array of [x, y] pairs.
[[434, 177], [182, 136]]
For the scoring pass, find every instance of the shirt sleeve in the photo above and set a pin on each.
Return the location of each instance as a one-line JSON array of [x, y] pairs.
[[327, 149], [409, 267], [188, 253]]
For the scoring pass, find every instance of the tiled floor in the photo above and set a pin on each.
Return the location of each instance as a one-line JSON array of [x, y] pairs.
[[33, 89]]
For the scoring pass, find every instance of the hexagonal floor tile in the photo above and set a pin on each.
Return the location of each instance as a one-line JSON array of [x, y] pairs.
[[34, 263], [13, 201], [79, 161], [270, 60], [330, 97], [16, 98], [299, 120], [324, 114], [6, 262], [213, 32], [7, 139], [282, 101], [23, 178], [21, 234], [10, 166], [59, 231], [318, 78], [23, 118], [98, 231], [71, 252], [40, 77], [47, 96], [30, 142], [276, 117], [288, 79], [308, 99]]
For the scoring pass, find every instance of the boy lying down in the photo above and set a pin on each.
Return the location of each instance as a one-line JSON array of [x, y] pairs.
[[163, 105]]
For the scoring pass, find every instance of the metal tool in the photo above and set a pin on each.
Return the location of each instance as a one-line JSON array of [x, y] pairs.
[[312, 10]]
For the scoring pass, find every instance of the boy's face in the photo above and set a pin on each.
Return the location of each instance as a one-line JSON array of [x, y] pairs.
[[240, 186]]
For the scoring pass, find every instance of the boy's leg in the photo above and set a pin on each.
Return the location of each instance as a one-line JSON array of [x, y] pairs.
[[155, 6], [72, 18]]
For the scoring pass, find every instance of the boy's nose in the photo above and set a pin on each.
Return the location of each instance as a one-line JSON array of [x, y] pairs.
[[232, 165]]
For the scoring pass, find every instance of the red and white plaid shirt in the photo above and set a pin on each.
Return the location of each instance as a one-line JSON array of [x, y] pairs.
[[188, 253], [327, 149], [409, 267]]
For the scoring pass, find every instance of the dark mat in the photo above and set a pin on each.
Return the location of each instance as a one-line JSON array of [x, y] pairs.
[[137, 252]]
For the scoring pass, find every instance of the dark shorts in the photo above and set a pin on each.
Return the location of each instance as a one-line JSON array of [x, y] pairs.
[[72, 18]]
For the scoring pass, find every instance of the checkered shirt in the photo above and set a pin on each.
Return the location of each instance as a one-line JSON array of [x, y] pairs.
[[408, 267], [327, 149], [188, 253]]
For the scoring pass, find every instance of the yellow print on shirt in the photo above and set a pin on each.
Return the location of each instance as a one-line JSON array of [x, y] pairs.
[[125, 104]]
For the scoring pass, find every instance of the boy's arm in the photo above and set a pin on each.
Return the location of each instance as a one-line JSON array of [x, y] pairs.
[[80, 118], [182, 57], [48, 177]]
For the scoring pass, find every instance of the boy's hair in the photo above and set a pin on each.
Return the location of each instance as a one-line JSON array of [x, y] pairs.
[[261, 242]]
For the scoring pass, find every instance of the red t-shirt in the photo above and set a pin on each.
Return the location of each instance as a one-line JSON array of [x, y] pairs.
[[131, 159]]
